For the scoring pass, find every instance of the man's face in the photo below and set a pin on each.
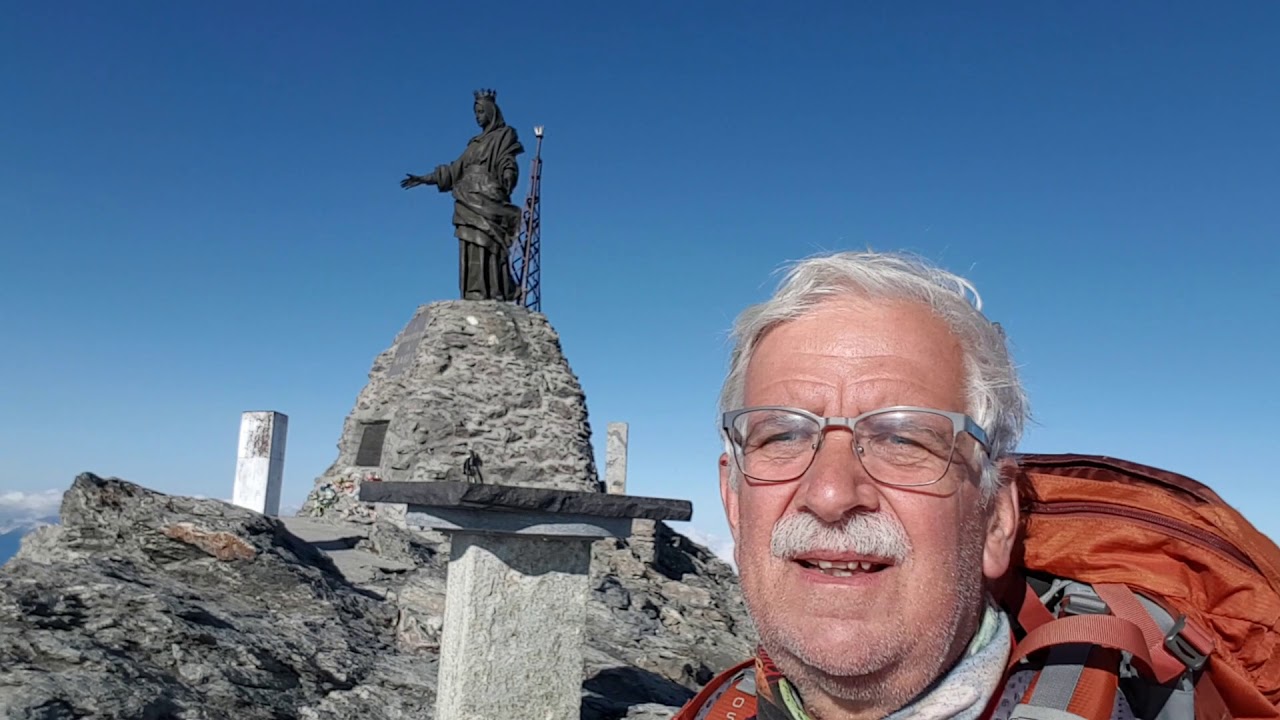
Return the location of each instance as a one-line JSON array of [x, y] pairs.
[[882, 635]]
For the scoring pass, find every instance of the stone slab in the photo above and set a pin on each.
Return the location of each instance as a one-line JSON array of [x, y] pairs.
[[514, 626], [325, 533], [360, 567], [406, 350], [482, 521], [510, 497]]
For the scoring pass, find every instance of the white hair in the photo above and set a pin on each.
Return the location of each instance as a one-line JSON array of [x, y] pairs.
[[995, 397]]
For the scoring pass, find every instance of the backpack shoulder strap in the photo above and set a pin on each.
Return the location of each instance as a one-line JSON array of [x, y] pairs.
[[731, 695], [1102, 639]]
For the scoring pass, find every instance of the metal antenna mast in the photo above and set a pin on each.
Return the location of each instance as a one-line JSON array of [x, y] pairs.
[[526, 262]]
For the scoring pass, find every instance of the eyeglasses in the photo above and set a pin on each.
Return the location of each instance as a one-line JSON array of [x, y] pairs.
[[903, 446]]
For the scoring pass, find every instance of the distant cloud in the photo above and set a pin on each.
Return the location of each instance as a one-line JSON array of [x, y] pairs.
[[721, 546], [28, 509]]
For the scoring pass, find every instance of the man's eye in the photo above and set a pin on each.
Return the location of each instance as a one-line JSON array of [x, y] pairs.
[[785, 437], [778, 438]]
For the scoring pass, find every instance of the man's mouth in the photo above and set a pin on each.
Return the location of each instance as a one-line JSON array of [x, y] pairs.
[[848, 568]]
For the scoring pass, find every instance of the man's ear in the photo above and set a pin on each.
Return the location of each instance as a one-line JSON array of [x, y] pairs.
[[729, 496], [1002, 524]]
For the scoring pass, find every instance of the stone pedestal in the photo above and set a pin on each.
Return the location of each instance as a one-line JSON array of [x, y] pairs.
[[475, 390], [515, 599], [260, 462], [515, 612]]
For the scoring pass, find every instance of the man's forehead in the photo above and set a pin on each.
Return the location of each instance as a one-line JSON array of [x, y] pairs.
[[871, 324], [889, 342]]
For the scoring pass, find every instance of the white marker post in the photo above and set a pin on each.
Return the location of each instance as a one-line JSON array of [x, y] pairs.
[[615, 462], [260, 461]]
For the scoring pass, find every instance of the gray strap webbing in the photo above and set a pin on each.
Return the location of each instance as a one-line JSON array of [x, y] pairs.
[[1033, 712], [1060, 676], [746, 676], [748, 682]]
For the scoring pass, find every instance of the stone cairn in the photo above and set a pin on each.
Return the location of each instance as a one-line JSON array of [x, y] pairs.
[[470, 391], [474, 425]]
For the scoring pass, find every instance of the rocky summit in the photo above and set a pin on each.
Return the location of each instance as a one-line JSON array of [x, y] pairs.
[[144, 605], [476, 391]]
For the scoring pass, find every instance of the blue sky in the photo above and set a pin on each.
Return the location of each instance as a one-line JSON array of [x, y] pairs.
[[199, 212]]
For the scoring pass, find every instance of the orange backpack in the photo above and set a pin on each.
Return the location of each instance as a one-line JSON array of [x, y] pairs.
[[1134, 587], [1174, 592]]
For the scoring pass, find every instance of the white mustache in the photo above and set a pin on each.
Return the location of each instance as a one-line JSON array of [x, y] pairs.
[[867, 534]]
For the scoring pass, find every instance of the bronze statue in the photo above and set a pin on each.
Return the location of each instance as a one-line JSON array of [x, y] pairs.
[[484, 220]]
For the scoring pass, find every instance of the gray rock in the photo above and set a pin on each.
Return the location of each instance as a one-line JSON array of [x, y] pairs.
[[684, 619], [359, 567], [142, 605], [469, 391], [326, 535]]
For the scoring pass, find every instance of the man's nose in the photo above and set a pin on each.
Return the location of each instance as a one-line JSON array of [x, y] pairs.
[[836, 485]]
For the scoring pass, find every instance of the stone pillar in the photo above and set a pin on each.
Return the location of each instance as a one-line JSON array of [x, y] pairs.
[[515, 611], [615, 462], [260, 461]]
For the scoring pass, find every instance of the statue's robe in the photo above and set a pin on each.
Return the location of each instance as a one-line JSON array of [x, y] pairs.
[[484, 220]]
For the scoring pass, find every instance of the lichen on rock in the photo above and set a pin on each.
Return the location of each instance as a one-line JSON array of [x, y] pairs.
[[222, 545]]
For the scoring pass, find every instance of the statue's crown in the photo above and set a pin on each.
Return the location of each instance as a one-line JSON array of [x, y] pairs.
[[486, 94]]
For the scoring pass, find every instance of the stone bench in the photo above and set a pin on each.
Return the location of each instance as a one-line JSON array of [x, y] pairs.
[[516, 595]]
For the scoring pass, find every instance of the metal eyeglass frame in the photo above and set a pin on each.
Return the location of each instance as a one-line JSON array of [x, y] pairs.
[[960, 422]]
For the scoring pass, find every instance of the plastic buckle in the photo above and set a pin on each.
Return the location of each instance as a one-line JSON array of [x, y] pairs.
[[1083, 604], [1193, 654]]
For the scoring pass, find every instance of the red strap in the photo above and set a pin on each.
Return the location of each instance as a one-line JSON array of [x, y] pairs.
[[691, 708], [1209, 702], [1021, 602], [1032, 613], [1105, 630], [1124, 604], [1095, 692]]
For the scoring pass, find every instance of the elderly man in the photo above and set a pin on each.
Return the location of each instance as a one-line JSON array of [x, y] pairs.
[[867, 414]]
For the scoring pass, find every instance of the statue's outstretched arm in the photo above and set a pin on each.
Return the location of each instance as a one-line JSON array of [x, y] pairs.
[[411, 180]]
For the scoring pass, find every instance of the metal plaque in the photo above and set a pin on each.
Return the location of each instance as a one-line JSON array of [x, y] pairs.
[[405, 353], [371, 440], [416, 326], [407, 348]]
